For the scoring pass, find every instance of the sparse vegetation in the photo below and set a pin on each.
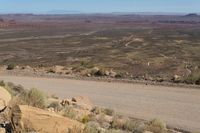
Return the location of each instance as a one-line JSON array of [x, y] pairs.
[[109, 111], [34, 97], [156, 126], [85, 119], [10, 66], [194, 78], [55, 105], [2, 83], [69, 112]]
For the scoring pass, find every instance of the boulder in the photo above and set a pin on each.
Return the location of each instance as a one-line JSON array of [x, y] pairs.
[[5, 98], [2, 130], [34, 119], [82, 102], [176, 78]]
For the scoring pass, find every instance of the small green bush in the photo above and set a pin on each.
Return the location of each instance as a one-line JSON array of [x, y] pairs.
[[10, 66]]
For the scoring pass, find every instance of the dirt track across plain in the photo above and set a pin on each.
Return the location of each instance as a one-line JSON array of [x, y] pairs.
[[179, 107]]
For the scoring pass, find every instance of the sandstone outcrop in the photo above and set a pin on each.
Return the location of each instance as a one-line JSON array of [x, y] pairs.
[[5, 97], [30, 118]]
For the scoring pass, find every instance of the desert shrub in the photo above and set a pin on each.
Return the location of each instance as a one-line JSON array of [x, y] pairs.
[[134, 126], [100, 72], [85, 119], [112, 131], [51, 71], [34, 97], [10, 66], [118, 123], [96, 110], [91, 129], [2, 83], [156, 126], [119, 75], [109, 112], [86, 64], [193, 78], [69, 112], [56, 105], [13, 89], [76, 129]]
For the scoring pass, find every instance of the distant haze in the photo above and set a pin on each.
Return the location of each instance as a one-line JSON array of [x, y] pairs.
[[99, 6]]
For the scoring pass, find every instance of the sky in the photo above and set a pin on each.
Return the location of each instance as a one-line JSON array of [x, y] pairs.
[[99, 6]]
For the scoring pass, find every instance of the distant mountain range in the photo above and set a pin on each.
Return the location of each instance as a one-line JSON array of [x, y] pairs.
[[62, 12]]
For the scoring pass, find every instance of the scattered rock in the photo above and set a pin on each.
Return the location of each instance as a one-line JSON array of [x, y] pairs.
[[89, 75], [176, 78], [107, 73]]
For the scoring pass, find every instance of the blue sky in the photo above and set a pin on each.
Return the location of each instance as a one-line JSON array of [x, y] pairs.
[[100, 6]]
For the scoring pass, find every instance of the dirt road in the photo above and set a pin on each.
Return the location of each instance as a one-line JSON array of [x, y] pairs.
[[179, 107]]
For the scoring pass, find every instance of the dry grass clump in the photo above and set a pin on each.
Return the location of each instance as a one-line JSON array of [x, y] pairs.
[[76, 129], [34, 97], [156, 126]]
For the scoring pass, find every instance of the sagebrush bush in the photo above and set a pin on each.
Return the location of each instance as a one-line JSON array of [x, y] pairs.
[[56, 105], [13, 89], [134, 126], [118, 123], [34, 98], [156, 126]]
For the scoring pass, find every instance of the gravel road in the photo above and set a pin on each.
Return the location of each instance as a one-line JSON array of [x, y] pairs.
[[179, 107]]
